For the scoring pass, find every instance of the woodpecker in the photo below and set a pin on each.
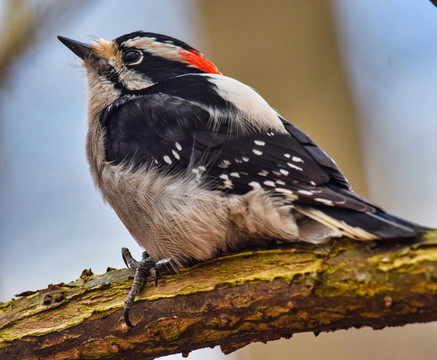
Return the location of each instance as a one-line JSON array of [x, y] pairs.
[[196, 163]]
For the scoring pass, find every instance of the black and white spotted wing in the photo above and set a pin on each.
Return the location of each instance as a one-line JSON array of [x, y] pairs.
[[178, 135]]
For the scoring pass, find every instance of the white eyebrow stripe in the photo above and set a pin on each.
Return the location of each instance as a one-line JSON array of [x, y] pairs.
[[166, 50]]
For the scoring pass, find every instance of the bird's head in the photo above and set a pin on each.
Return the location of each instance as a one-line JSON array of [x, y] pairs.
[[135, 61]]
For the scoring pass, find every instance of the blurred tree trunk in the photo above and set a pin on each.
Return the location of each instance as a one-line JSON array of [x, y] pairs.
[[23, 23], [287, 51]]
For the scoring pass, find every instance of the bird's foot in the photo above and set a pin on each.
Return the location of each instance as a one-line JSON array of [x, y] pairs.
[[142, 267]]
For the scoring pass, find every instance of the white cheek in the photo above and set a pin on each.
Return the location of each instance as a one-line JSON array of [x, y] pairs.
[[134, 81], [258, 112], [129, 78]]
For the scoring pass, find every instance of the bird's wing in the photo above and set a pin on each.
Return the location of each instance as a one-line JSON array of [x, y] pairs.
[[180, 135]]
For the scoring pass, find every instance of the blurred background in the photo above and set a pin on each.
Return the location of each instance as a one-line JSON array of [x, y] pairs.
[[359, 76]]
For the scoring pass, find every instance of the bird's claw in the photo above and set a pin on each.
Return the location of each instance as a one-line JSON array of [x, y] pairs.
[[142, 267], [154, 274]]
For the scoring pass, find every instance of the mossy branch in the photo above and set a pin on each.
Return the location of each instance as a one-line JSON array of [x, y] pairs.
[[230, 301]]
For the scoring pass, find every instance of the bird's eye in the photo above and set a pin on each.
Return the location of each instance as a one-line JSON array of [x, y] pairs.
[[132, 57]]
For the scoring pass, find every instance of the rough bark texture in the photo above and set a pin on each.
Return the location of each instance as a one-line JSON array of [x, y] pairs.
[[230, 301]]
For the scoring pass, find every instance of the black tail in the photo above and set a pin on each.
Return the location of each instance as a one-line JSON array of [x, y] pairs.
[[381, 224]]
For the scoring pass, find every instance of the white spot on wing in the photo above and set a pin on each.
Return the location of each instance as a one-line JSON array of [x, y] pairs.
[[284, 172], [280, 182], [167, 159], [285, 191], [288, 193], [305, 192], [296, 159], [257, 152], [324, 201], [175, 154], [294, 166], [287, 156], [255, 184], [228, 184], [224, 164], [263, 173], [269, 183], [259, 142], [235, 174], [178, 146], [245, 159]]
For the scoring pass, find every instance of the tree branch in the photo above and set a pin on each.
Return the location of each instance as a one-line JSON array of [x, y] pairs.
[[230, 301]]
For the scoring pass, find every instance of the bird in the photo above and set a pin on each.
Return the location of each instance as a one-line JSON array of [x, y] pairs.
[[197, 164]]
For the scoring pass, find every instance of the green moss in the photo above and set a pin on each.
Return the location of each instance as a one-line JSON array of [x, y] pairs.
[[154, 326], [430, 238], [6, 306], [405, 260], [214, 323], [170, 330], [260, 309]]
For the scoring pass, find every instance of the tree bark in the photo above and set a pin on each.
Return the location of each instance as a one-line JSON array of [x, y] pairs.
[[229, 301]]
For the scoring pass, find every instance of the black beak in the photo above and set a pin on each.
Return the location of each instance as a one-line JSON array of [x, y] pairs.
[[80, 49]]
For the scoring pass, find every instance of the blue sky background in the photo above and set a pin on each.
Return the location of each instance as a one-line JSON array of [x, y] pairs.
[[390, 53], [53, 223]]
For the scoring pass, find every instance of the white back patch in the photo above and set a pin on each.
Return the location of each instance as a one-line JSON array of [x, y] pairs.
[[256, 111]]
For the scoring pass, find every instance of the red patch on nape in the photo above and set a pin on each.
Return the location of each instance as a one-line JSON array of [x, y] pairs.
[[197, 60]]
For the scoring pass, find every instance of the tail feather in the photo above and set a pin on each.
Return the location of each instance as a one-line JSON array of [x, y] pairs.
[[364, 225]]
